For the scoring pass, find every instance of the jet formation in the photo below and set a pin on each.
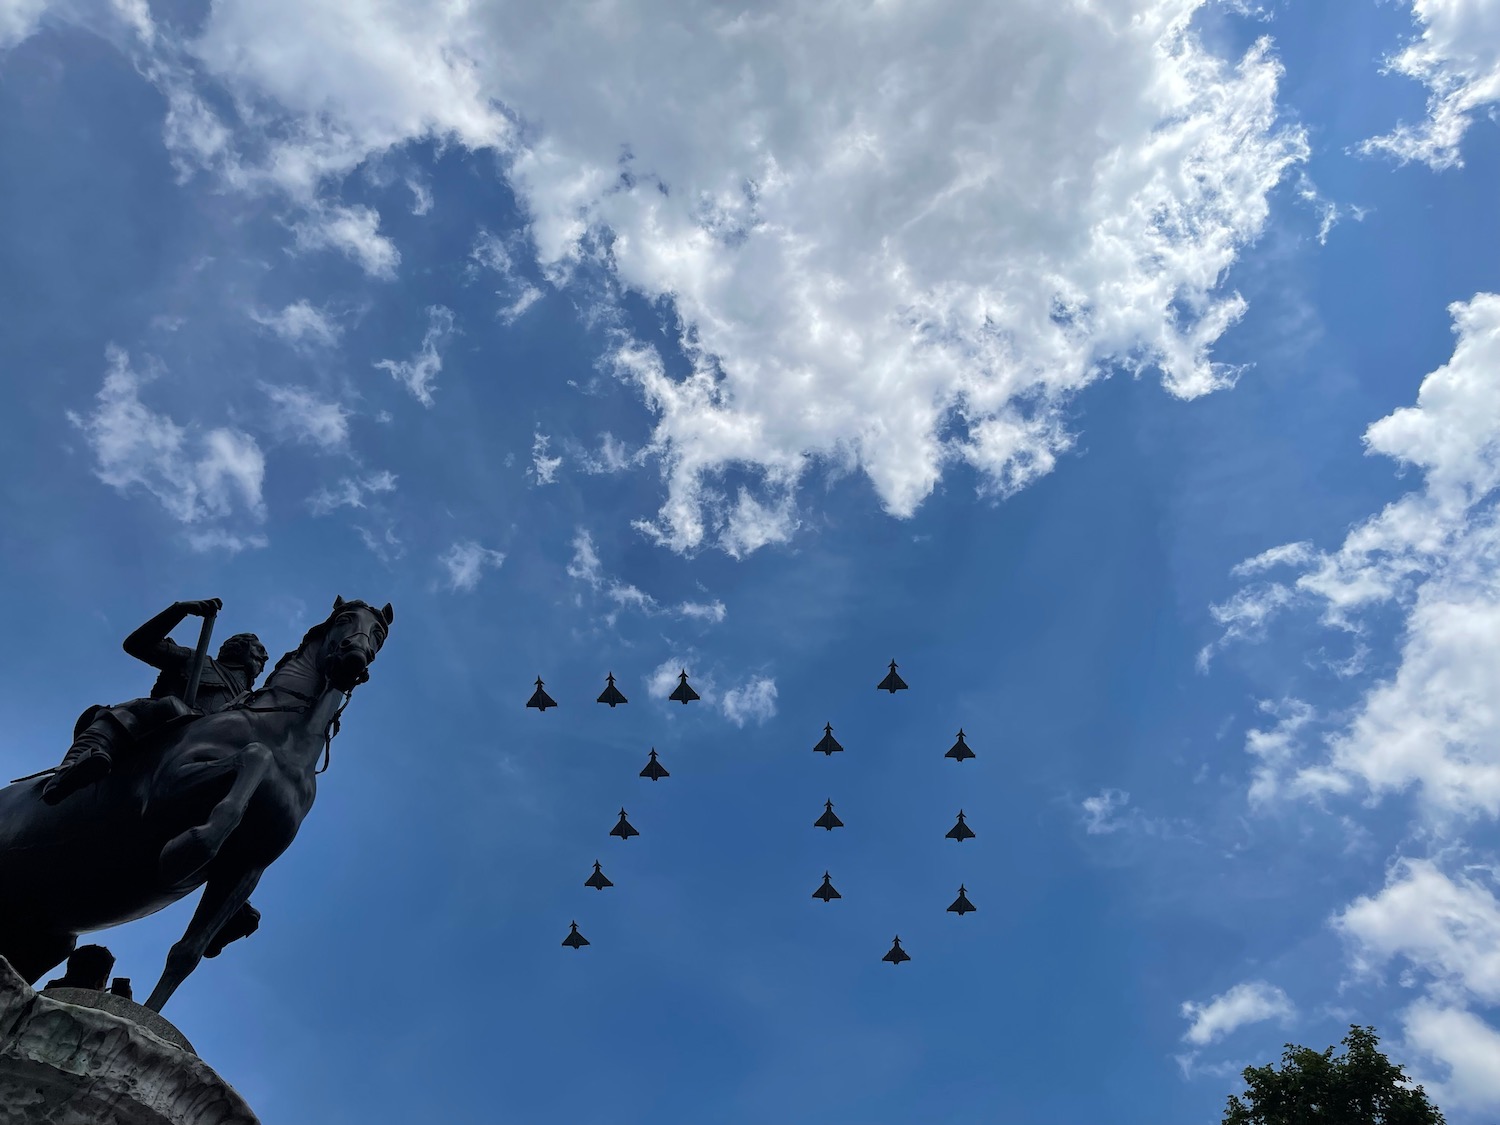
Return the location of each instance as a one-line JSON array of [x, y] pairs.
[[828, 745]]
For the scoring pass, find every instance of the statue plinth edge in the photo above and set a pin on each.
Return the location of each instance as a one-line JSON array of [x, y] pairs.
[[64, 1063]]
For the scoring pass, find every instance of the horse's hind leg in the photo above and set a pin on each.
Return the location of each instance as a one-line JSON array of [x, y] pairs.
[[188, 853], [32, 955], [222, 899]]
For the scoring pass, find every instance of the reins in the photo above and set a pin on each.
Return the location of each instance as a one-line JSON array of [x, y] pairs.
[[330, 732]]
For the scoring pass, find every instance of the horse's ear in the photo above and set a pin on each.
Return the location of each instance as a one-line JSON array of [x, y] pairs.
[[338, 603], [388, 613]]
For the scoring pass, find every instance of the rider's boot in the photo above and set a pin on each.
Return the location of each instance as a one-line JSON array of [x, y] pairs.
[[89, 758]]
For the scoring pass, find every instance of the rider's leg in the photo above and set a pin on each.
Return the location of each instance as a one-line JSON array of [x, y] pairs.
[[89, 758]]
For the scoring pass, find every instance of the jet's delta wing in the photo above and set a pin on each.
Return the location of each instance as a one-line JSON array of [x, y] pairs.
[[960, 749], [597, 880], [540, 699], [962, 905], [826, 891], [654, 769], [828, 820], [960, 831], [623, 829], [892, 682], [684, 694], [575, 939], [828, 744], [897, 954], [611, 694]]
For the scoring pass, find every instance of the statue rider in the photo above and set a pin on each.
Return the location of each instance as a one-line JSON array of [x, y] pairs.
[[104, 732]]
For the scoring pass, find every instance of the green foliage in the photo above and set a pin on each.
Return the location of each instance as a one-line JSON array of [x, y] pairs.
[[1361, 1087]]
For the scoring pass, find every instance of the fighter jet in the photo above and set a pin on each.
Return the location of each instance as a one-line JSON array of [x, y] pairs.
[[625, 831], [892, 682], [683, 694], [540, 699], [654, 769], [897, 954], [960, 831], [597, 879], [960, 749], [962, 905], [828, 820], [826, 891], [828, 744], [611, 694], [575, 939]]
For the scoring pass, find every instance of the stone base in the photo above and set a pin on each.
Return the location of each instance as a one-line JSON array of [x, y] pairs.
[[87, 1063]]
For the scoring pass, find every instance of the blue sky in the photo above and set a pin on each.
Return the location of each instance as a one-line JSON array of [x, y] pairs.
[[1128, 372]]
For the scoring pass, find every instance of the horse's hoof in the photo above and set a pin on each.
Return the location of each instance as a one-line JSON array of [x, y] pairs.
[[184, 858]]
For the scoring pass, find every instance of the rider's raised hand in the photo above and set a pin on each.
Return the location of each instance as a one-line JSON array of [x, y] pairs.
[[203, 608]]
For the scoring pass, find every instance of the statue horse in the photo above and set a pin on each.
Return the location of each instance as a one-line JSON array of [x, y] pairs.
[[207, 802]]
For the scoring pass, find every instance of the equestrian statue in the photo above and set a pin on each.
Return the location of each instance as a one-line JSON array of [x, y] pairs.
[[203, 783]]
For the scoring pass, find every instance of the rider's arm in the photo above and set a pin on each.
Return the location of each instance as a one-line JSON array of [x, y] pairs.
[[152, 644]]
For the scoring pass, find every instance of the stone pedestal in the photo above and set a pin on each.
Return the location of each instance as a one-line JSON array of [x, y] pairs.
[[77, 1057]]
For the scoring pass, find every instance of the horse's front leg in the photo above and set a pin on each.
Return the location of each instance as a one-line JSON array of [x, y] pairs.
[[186, 855], [222, 898]]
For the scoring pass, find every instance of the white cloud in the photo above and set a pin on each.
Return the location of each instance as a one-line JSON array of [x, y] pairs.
[[1463, 1044], [301, 325], [195, 476], [1457, 57], [419, 372], [544, 468], [586, 567], [350, 492], [1277, 749], [421, 196], [755, 699], [217, 539], [713, 611], [19, 19], [1435, 553], [1248, 1002], [385, 546], [1099, 811], [612, 458], [1289, 554], [1447, 927], [354, 232], [490, 253], [466, 562], [895, 237], [301, 415]]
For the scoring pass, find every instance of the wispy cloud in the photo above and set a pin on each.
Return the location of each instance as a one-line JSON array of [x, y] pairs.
[[421, 371], [194, 475], [543, 468], [301, 324], [350, 492], [1457, 57], [466, 562], [299, 414], [1245, 1003]]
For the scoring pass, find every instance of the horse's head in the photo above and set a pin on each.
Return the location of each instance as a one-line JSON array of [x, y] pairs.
[[355, 630]]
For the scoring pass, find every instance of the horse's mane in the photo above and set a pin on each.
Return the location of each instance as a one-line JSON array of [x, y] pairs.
[[317, 632]]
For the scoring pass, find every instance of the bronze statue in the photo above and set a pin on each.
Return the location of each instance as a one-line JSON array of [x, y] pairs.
[[103, 731], [210, 801]]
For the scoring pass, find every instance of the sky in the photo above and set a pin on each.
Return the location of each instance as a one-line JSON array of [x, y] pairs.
[[1126, 370]]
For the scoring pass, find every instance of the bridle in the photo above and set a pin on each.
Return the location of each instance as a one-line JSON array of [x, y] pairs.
[[330, 732]]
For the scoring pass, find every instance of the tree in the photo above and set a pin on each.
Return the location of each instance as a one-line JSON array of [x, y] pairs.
[[1362, 1087]]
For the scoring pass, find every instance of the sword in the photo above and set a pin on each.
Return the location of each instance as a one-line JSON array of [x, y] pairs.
[[200, 655]]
